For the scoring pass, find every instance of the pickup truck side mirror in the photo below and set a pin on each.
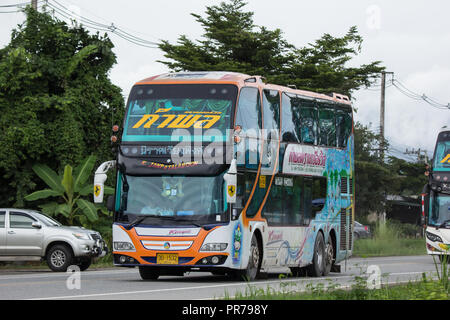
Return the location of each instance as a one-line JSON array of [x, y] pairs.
[[36, 225]]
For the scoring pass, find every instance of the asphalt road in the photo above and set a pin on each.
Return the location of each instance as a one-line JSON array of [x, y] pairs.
[[122, 283]]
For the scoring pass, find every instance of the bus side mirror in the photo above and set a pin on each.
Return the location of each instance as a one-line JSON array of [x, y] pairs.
[[230, 182], [100, 178]]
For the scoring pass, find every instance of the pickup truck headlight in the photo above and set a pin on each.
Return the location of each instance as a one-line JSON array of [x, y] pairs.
[[214, 247], [123, 246], [433, 237], [81, 236]]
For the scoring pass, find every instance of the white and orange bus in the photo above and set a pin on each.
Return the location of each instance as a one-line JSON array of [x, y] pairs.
[[221, 172], [436, 200]]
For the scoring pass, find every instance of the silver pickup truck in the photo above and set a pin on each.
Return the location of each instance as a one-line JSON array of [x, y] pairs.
[[27, 235]]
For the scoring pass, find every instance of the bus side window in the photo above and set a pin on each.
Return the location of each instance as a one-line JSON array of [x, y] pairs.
[[327, 125], [240, 191], [292, 204], [343, 126], [248, 117], [308, 122], [273, 208], [319, 194], [248, 114], [307, 200], [271, 114], [258, 196], [288, 130]]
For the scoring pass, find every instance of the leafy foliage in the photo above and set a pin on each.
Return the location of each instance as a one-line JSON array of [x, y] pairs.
[[232, 42], [70, 188], [57, 103], [375, 179]]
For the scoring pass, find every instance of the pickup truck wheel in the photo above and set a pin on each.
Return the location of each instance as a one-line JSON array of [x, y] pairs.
[[84, 264], [59, 258]]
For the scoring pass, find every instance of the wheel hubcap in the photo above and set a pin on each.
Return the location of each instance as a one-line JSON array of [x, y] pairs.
[[58, 258], [319, 256], [255, 255], [329, 254]]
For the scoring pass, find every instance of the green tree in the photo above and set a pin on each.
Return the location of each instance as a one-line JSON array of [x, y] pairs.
[[70, 189], [57, 102], [232, 42], [373, 178]]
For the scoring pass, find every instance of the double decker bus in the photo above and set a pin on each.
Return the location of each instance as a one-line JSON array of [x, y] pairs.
[[436, 199], [221, 172]]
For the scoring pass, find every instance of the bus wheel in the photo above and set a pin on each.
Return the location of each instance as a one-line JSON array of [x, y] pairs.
[[329, 256], [254, 261], [316, 269], [148, 273]]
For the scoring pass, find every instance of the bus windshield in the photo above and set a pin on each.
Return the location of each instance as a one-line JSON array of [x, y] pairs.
[[156, 111], [199, 199], [442, 156], [440, 210]]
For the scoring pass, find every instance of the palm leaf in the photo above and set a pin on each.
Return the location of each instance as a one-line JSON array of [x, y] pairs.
[[42, 194], [82, 173], [49, 176], [63, 209], [67, 180], [49, 208], [89, 209]]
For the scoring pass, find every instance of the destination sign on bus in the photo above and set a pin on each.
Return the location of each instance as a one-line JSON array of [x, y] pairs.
[[305, 160]]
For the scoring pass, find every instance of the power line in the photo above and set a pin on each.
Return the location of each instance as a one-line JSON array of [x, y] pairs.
[[415, 96], [15, 5], [68, 14]]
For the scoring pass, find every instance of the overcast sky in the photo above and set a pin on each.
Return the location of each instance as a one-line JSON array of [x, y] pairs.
[[411, 38]]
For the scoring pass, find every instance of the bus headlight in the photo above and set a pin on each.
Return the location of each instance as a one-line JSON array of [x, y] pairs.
[[122, 246], [433, 237], [214, 247]]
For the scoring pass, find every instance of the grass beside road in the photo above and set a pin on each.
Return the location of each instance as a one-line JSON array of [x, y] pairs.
[[389, 239], [425, 289]]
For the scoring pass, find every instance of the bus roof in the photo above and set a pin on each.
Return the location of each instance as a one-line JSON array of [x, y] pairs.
[[239, 79]]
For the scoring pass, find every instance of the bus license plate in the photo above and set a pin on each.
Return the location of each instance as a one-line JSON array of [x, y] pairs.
[[167, 258]]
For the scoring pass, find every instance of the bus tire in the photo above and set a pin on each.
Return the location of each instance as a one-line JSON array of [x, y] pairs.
[[329, 256], [316, 269], [254, 261], [148, 273]]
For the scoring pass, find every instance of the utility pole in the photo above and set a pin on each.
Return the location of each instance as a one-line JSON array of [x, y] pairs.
[[420, 158], [34, 4], [382, 107]]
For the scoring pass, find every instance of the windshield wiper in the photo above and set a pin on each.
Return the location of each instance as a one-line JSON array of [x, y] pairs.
[[172, 218], [443, 224]]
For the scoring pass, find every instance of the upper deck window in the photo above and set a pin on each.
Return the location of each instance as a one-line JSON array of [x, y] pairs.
[[155, 112], [327, 125], [271, 104], [249, 110], [291, 121]]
